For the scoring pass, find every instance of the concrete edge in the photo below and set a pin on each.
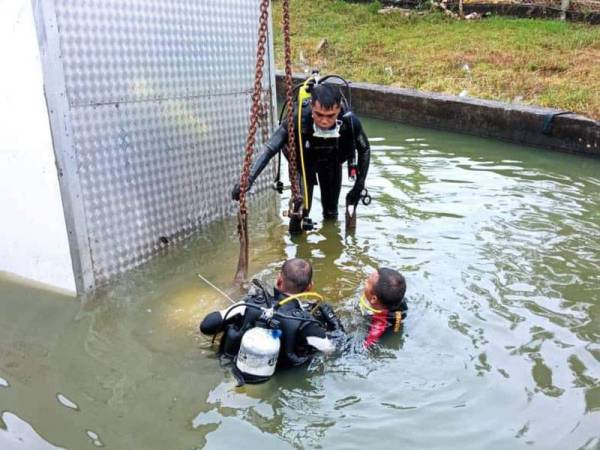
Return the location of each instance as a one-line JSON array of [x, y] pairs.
[[521, 124]]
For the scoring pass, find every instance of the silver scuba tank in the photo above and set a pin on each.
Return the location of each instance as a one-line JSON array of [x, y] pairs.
[[258, 352]]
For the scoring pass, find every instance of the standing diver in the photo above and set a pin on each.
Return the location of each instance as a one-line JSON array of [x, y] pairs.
[[330, 135], [265, 331]]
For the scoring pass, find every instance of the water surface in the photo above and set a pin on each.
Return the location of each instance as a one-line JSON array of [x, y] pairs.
[[500, 247]]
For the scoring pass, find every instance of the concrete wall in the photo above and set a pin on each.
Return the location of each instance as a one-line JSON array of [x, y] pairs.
[[33, 235], [517, 123]]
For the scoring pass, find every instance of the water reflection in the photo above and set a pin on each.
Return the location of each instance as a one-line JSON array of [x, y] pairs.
[[15, 434]]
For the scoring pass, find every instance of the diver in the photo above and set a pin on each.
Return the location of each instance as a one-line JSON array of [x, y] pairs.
[[384, 303], [265, 331], [329, 136]]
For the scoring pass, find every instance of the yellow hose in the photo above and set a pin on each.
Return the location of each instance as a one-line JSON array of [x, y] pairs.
[[319, 297], [303, 94]]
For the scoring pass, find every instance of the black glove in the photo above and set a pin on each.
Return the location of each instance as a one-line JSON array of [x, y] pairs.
[[353, 196], [235, 192], [329, 319]]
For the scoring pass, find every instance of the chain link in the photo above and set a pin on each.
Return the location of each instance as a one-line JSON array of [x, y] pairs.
[[251, 140], [289, 88]]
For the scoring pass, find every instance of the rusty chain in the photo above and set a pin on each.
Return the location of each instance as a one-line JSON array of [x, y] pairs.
[[289, 88], [242, 269], [264, 117]]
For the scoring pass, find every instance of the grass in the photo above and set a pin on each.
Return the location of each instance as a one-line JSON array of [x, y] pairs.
[[541, 62]]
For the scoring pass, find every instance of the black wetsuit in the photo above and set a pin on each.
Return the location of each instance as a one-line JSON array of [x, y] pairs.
[[301, 334], [323, 158]]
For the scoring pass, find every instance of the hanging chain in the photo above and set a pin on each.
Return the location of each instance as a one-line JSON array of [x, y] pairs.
[[256, 97], [264, 117], [291, 145], [242, 269]]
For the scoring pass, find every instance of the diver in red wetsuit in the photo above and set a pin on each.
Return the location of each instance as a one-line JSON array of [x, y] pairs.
[[383, 300]]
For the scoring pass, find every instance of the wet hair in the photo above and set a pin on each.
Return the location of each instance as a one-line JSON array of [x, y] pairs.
[[327, 95], [390, 288], [296, 274]]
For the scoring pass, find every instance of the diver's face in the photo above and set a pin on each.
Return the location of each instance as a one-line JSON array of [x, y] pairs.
[[325, 117], [370, 291]]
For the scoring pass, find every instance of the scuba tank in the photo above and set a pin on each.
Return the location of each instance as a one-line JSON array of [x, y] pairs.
[[260, 339], [257, 357]]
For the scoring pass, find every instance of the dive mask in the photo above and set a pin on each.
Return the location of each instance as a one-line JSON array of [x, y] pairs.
[[365, 307], [329, 133]]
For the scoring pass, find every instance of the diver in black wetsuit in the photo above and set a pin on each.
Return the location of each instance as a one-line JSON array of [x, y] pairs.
[[302, 327], [331, 134]]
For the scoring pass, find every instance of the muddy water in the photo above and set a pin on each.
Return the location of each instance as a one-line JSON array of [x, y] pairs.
[[501, 249]]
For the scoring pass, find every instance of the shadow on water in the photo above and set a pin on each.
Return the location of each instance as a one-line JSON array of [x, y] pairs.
[[500, 248]]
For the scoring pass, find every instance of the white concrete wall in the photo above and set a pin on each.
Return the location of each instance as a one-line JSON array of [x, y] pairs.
[[33, 235]]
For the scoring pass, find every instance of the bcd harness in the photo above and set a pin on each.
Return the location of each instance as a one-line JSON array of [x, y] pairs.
[[323, 144], [284, 318]]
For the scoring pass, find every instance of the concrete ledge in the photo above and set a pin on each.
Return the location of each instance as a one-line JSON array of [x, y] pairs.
[[516, 123]]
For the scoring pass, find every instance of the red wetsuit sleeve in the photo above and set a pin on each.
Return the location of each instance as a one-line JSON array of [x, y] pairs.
[[379, 323]]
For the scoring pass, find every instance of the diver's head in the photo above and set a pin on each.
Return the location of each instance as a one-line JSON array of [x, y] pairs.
[[295, 276], [385, 289], [326, 102]]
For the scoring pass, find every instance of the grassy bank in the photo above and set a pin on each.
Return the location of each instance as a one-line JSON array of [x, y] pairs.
[[540, 62]]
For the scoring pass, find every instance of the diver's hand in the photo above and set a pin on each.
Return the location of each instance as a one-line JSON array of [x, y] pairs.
[[353, 196], [329, 318], [235, 192]]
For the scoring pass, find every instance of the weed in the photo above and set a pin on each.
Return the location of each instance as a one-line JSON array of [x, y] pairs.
[[544, 62]]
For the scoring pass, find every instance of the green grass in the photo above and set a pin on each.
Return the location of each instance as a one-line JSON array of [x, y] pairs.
[[542, 62]]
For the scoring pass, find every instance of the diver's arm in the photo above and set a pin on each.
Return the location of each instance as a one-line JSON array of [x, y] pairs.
[[316, 337], [363, 149], [270, 149], [214, 322], [364, 156], [324, 345]]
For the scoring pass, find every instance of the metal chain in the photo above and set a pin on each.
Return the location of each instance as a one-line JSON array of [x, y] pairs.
[[291, 145], [264, 117], [250, 141], [256, 97]]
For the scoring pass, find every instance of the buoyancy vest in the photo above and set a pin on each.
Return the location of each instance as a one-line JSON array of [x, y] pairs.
[[292, 352], [385, 321]]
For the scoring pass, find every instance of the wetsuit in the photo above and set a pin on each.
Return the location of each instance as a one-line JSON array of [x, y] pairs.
[[323, 158], [385, 322], [302, 335]]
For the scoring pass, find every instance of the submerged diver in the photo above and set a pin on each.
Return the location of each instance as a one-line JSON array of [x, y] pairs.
[[331, 134], [383, 300], [265, 331]]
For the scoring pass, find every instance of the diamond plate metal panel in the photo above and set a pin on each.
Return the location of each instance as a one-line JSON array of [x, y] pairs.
[[158, 95], [135, 50]]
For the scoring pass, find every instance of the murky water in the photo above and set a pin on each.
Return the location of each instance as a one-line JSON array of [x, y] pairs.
[[501, 249]]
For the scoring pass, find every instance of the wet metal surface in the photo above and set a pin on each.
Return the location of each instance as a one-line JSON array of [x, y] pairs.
[[500, 247]]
